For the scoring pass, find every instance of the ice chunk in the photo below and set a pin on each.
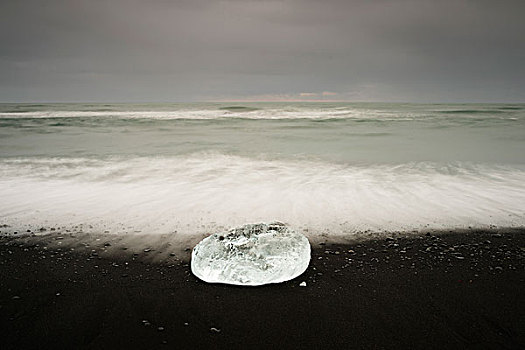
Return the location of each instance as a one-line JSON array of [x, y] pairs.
[[251, 255]]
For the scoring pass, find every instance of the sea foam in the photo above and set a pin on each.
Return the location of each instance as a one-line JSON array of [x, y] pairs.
[[205, 193]]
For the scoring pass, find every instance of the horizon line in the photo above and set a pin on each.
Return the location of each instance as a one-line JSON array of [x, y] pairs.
[[253, 101]]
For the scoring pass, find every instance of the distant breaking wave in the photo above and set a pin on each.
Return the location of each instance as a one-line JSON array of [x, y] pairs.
[[260, 111]]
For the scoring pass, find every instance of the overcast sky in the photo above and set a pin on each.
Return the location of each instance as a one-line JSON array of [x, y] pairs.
[[192, 50]]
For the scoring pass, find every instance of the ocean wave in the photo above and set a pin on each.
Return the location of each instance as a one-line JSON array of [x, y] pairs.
[[321, 115], [239, 109], [222, 113], [472, 111], [203, 193]]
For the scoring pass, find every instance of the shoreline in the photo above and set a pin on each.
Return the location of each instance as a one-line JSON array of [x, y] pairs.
[[463, 289]]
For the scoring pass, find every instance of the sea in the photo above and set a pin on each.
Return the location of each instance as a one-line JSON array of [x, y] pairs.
[[325, 169]]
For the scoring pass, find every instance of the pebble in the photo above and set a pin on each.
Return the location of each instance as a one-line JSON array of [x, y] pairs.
[[160, 329], [302, 284]]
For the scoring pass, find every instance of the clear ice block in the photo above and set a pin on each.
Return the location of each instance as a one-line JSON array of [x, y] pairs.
[[251, 255]]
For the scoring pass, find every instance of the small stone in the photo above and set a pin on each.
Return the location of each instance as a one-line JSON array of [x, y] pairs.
[[16, 297], [160, 329], [302, 284], [147, 250], [186, 324]]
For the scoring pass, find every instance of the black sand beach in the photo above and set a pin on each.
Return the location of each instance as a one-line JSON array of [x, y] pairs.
[[453, 290]]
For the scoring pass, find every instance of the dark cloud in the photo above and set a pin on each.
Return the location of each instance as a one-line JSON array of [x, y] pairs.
[[129, 50]]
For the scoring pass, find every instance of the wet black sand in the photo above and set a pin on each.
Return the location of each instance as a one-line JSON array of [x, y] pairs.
[[457, 290]]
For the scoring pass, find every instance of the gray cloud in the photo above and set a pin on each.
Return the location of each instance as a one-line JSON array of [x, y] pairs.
[[131, 50]]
